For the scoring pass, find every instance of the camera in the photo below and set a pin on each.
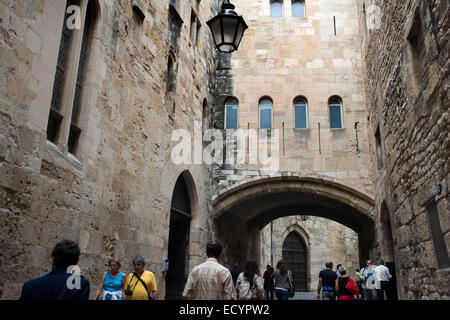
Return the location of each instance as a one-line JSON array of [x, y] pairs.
[[128, 293]]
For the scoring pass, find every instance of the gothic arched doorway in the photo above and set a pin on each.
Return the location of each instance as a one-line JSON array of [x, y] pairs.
[[294, 255], [180, 221]]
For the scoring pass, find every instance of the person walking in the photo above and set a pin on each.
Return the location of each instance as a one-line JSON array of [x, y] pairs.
[[141, 284], [269, 286], [382, 276], [370, 292], [113, 281], [341, 286], [282, 281], [56, 285], [327, 282], [235, 272], [249, 284], [210, 280]]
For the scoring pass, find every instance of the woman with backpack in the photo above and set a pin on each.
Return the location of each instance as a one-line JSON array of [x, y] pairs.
[[345, 286], [249, 285]]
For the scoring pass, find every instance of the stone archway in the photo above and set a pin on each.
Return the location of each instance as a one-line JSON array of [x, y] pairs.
[[181, 209], [245, 209]]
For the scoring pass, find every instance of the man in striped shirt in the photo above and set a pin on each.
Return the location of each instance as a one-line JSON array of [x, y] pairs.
[[210, 280]]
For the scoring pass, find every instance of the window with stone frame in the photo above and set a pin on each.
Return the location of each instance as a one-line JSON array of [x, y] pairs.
[[416, 53], [298, 9], [379, 149], [335, 112], [265, 113], [171, 78], [195, 28], [70, 76], [300, 113], [56, 116], [231, 113], [276, 9]]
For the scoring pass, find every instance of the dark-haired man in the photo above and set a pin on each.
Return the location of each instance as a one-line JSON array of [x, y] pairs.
[[327, 282], [59, 284], [210, 280]]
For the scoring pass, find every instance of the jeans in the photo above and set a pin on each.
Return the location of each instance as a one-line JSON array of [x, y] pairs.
[[370, 294], [282, 294], [270, 294], [328, 295]]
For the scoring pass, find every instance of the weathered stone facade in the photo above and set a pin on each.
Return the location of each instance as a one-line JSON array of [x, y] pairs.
[[114, 195], [151, 69], [406, 57], [316, 57]]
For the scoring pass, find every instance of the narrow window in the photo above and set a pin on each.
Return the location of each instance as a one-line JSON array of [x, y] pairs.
[[171, 75], [56, 116], [195, 28], [334, 24], [298, 9], [440, 247], [335, 114], [379, 151], [231, 110], [300, 114], [265, 114], [75, 128], [276, 9], [416, 51]]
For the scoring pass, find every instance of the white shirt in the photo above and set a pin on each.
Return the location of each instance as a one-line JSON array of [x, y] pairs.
[[370, 277], [381, 274]]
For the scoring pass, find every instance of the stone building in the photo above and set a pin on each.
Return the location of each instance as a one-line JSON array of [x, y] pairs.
[[405, 47], [103, 105]]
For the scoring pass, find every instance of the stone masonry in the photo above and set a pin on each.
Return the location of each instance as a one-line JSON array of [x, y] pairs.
[[151, 68], [406, 70]]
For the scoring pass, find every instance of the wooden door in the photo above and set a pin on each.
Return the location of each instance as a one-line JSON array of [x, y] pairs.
[[294, 255]]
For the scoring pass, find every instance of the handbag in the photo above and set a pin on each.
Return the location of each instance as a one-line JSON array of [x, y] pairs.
[[351, 287], [291, 286]]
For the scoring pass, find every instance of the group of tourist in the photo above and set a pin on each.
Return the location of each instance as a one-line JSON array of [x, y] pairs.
[[115, 285], [207, 281], [371, 283]]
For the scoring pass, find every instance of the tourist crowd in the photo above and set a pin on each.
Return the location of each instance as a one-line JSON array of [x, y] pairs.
[[208, 281]]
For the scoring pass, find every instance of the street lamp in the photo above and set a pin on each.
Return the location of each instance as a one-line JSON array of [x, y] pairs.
[[227, 28]]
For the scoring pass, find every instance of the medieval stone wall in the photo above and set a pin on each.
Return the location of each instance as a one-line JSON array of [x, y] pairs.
[[285, 58], [406, 59], [114, 194]]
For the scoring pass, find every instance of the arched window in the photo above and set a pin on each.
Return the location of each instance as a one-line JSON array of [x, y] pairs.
[[300, 113], [231, 113], [70, 75], [265, 113], [298, 8], [335, 106], [276, 9]]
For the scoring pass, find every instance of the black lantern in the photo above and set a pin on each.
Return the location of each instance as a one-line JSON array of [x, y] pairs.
[[227, 28], [304, 217]]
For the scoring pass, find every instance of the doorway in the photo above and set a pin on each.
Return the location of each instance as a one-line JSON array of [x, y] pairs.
[[180, 220], [294, 255]]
